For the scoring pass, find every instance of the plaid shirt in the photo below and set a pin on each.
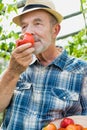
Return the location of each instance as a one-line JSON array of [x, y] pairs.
[[43, 94]]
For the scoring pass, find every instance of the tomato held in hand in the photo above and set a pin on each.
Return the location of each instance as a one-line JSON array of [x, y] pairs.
[[28, 38], [50, 126], [65, 122]]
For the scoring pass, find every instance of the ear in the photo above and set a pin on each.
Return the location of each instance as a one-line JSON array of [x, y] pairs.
[[56, 30]]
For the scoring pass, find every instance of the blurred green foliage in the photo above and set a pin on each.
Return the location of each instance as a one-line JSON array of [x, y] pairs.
[[7, 38], [78, 45]]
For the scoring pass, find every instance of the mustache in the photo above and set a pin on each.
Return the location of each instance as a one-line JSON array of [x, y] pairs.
[[36, 39]]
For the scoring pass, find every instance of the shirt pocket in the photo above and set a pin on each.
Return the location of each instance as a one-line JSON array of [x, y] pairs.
[[23, 90], [22, 97], [65, 95]]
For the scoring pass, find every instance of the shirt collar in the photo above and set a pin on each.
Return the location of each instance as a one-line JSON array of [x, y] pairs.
[[60, 61]]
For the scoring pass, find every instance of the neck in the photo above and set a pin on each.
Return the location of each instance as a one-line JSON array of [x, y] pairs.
[[48, 56]]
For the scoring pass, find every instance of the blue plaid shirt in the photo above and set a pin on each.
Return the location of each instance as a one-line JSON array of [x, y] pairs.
[[43, 94]]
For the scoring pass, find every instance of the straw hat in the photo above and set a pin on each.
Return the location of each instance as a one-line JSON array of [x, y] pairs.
[[32, 5]]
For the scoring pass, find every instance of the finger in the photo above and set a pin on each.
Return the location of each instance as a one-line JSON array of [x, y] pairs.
[[26, 58], [27, 52], [27, 61], [24, 62], [23, 47], [23, 54]]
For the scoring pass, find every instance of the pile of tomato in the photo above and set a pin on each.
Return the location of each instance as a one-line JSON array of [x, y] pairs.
[[69, 124], [66, 124]]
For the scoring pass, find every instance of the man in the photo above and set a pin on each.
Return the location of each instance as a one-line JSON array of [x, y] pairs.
[[42, 83]]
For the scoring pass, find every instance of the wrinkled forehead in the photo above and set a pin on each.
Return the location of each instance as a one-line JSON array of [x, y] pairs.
[[36, 12], [35, 16]]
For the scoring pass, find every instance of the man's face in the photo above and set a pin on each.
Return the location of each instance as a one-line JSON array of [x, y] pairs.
[[38, 23]]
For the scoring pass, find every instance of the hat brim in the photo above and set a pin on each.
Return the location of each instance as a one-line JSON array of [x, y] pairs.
[[57, 15]]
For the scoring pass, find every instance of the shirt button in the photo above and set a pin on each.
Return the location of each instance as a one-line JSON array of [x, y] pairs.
[[34, 113], [38, 92], [64, 97]]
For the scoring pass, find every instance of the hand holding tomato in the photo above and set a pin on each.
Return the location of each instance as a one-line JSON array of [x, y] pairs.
[[21, 57], [27, 38]]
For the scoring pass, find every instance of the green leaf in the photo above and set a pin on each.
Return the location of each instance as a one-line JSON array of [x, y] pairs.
[[10, 8], [1, 6], [0, 1], [1, 29]]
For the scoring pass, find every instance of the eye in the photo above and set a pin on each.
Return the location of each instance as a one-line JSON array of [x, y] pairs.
[[37, 23], [23, 27]]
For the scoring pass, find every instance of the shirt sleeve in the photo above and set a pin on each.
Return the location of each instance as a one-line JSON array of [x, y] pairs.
[[84, 96]]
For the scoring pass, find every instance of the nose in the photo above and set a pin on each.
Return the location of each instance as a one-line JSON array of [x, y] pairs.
[[30, 29]]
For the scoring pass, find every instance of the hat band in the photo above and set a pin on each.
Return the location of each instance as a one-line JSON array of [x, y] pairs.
[[34, 6]]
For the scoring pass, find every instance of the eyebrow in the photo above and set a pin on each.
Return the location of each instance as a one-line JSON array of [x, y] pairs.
[[35, 20]]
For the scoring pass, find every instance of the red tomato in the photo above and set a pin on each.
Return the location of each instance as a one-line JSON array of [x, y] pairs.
[[79, 127], [65, 122], [61, 128], [84, 128], [27, 38], [71, 127], [74, 127], [50, 126]]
